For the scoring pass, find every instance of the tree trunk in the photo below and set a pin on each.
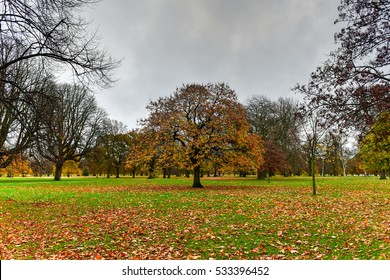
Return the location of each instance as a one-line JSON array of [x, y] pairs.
[[269, 176], [164, 173], [117, 172], [58, 171], [152, 167], [383, 175], [133, 172], [313, 172], [259, 176], [197, 183]]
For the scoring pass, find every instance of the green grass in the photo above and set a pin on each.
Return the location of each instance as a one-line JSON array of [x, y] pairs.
[[231, 218]]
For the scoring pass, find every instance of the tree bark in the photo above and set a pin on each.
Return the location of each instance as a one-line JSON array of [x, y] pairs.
[[383, 175], [164, 173], [108, 172], [58, 171], [197, 183]]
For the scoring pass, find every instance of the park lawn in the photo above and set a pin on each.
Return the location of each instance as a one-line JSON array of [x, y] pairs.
[[231, 218]]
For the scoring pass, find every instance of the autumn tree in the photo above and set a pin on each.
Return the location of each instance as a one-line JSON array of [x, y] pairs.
[[203, 119], [70, 126], [20, 166], [249, 155], [136, 152], [352, 86], [71, 167], [274, 159], [94, 162], [39, 164], [115, 143], [375, 146]]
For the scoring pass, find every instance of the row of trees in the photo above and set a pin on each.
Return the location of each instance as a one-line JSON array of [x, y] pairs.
[[40, 117], [198, 129]]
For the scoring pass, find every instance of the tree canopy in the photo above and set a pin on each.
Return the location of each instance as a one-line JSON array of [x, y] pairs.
[[206, 120], [375, 147]]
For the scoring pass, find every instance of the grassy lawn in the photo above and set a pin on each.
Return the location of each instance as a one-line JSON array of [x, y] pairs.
[[231, 218]]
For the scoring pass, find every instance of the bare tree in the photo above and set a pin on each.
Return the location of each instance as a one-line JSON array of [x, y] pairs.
[[313, 129], [276, 123], [20, 85], [70, 126], [36, 38], [353, 84], [52, 32]]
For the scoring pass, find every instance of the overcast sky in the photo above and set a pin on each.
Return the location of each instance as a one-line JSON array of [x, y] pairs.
[[258, 47]]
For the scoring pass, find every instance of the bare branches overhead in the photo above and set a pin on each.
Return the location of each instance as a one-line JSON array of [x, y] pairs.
[[53, 33]]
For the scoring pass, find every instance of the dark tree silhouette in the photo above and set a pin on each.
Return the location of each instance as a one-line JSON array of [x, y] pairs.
[[353, 84], [70, 126]]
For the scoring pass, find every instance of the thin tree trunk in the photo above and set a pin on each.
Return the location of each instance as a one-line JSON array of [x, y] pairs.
[[313, 173], [269, 176], [197, 183]]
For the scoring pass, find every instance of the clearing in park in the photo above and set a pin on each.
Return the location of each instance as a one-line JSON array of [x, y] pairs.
[[231, 218]]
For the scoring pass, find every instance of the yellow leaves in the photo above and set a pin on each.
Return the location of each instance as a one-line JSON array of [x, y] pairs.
[[207, 123]]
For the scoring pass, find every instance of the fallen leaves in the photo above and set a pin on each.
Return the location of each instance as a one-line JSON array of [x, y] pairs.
[[172, 222]]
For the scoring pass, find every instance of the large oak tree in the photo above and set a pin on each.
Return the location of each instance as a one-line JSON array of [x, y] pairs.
[[206, 120]]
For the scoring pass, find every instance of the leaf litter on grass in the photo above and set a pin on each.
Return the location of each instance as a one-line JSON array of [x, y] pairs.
[[176, 222]]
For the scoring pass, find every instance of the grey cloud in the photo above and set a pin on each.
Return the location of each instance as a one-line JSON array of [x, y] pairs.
[[258, 47]]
